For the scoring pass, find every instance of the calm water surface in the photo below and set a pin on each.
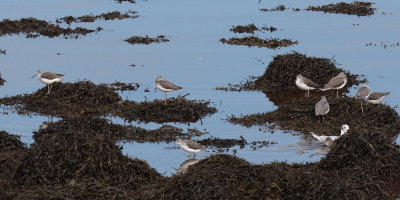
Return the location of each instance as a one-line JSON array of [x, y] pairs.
[[195, 59]]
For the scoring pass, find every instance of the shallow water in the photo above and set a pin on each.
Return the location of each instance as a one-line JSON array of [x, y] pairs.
[[195, 59]]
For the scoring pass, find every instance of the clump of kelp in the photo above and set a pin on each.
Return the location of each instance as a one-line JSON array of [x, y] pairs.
[[272, 43], [146, 40], [11, 152], [355, 8], [281, 73], [67, 100], [299, 115], [76, 159], [85, 98], [33, 27], [335, 177], [250, 28], [177, 109], [105, 16]]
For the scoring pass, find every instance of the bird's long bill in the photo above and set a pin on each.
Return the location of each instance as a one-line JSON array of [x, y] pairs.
[[34, 75]]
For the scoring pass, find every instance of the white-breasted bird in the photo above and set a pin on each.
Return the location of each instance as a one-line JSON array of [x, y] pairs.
[[165, 86], [305, 83], [328, 140], [336, 83], [48, 78], [190, 146]]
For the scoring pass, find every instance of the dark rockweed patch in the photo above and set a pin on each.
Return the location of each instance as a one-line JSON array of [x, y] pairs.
[[146, 40], [105, 16], [280, 74], [177, 109], [85, 98], [273, 43], [355, 8], [250, 28], [228, 177], [299, 115], [67, 100], [120, 1], [12, 150], [33, 28]]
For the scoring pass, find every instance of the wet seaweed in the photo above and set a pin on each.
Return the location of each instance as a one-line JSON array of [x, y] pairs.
[[120, 1], [277, 8], [12, 151], [250, 28], [177, 109], [228, 177], [91, 18], [146, 40], [82, 98], [355, 8], [272, 43], [125, 86], [299, 115], [33, 28]]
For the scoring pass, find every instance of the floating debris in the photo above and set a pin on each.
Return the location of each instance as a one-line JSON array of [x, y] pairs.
[[223, 143], [277, 8], [3, 52], [355, 8], [124, 86], [33, 28], [273, 43], [177, 109], [146, 40], [120, 1], [384, 45], [91, 18]]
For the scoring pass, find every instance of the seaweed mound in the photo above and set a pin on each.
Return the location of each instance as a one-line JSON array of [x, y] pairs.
[[282, 71], [67, 100], [177, 109], [255, 41], [64, 156], [342, 111], [12, 150], [355, 8], [33, 28], [228, 177]]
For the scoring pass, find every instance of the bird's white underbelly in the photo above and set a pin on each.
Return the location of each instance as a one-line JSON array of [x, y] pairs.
[[190, 150], [49, 82], [377, 101], [341, 86], [303, 86], [160, 87]]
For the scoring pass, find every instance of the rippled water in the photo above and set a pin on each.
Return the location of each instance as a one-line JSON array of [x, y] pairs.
[[195, 59]]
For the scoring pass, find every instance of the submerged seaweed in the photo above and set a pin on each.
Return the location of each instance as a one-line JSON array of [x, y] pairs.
[[91, 18], [146, 40]]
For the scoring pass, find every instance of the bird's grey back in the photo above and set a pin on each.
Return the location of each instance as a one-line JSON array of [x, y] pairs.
[[322, 106], [194, 145], [377, 95], [363, 92], [336, 81]]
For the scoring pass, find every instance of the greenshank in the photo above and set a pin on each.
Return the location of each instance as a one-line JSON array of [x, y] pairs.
[[165, 86], [190, 146], [377, 97], [48, 78], [305, 83], [362, 93], [322, 107], [336, 83]]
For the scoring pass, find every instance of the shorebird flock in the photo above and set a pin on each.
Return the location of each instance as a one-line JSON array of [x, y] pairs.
[[322, 106]]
